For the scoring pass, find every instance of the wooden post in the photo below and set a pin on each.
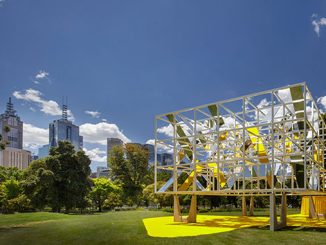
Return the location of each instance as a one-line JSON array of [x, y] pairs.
[[244, 206], [252, 205], [283, 211], [272, 212], [312, 209], [192, 218], [176, 209]]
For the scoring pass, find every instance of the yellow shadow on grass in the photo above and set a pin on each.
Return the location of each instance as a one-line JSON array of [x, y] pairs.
[[211, 224]]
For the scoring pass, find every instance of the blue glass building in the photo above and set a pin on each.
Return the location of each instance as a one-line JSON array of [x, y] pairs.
[[63, 129]]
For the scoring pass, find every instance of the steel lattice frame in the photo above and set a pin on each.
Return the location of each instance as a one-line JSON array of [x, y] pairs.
[[263, 143]]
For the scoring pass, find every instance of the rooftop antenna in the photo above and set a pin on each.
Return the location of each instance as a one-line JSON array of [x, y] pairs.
[[64, 110], [10, 108]]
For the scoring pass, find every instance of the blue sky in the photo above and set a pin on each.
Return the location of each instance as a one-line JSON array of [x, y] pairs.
[[131, 60]]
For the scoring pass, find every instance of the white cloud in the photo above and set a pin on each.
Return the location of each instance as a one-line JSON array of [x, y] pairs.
[[96, 154], [317, 23], [36, 82], [99, 132], [49, 107], [322, 102], [167, 130], [160, 147], [104, 120], [94, 114], [41, 75], [34, 137]]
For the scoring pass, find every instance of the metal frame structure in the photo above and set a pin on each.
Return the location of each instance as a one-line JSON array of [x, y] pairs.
[[266, 143]]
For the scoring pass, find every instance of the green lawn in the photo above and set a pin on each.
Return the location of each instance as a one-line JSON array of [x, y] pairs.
[[126, 227]]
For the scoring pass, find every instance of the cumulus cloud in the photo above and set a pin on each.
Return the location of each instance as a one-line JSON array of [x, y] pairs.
[[94, 114], [41, 75], [96, 154], [49, 107], [322, 102], [317, 23], [99, 132], [160, 147], [167, 130], [34, 137]]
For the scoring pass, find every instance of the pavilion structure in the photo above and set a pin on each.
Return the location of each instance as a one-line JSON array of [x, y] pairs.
[[268, 143]]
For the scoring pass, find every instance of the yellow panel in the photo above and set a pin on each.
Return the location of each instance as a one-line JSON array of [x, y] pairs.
[[187, 182], [222, 179], [320, 205], [257, 141]]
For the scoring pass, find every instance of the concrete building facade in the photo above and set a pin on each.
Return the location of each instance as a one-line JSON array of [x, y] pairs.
[[13, 157]]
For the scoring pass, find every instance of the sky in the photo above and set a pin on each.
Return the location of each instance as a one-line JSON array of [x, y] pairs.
[[120, 63]]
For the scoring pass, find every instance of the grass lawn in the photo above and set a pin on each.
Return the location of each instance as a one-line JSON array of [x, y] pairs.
[[127, 227]]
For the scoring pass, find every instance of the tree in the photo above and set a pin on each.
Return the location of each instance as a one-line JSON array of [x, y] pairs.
[[7, 173], [38, 183], [9, 189], [71, 177], [129, 167], [151, 198], [101, 190], [59, 180], [113, 200], [161, 175]]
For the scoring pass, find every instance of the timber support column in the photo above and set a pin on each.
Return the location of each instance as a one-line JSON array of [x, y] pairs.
[[283, 211], [244, 206], [272, 212], [312, 208], [192, 218], [252, 205], [176, 209]]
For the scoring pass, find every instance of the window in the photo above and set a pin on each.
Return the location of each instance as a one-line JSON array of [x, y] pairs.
[[68, 133]]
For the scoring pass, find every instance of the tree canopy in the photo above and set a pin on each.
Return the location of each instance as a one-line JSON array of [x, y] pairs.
[[129, 166]]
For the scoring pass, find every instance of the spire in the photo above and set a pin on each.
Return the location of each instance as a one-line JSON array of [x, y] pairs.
[[10, 108], [64, 112]]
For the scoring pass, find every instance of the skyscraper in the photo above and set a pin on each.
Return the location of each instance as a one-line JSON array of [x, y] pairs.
[[13, 155], [111, 142], [43, 151], [15, 136], [151, 153], [63, 129]]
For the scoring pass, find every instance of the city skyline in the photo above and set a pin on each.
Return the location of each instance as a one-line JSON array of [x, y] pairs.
[[129, 62]]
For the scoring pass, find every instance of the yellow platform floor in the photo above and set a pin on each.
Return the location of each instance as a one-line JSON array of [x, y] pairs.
[[210, 224]]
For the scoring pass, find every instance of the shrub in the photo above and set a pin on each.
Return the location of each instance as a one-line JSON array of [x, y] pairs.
[[113, 200], [20, 203]]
